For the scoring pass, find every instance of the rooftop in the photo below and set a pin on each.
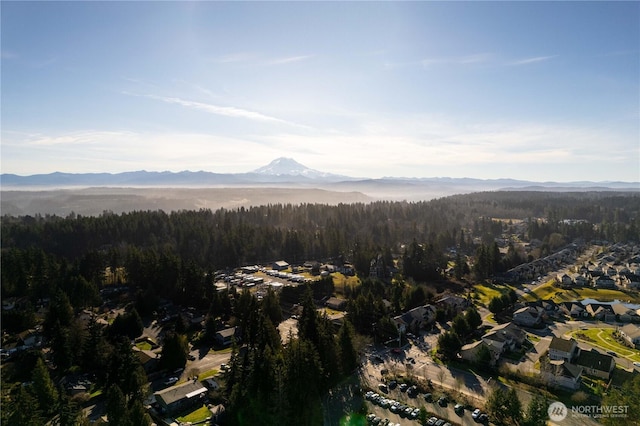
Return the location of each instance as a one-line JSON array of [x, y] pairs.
[[562, 345], [176, 393], [595, 360]]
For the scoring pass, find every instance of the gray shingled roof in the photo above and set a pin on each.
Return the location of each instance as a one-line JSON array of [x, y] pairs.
[[595, 360], [561, 344], [176, 393]]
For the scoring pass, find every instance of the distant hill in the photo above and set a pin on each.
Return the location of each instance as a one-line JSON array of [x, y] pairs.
[[283, 171], [284, 180]]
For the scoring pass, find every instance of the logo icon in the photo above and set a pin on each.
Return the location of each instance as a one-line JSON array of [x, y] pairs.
[[557, 411]]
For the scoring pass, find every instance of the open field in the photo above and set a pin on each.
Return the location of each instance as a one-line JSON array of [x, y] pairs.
[[603, 338], [485, 292], [195, 416], [557, 294]]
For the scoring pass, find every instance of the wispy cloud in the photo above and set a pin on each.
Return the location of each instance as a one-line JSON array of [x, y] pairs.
[[225, 111], [83, 137], [457, 60], [290, 59], [533, 60]]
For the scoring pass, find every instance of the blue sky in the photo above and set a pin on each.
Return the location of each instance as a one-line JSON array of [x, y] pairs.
[[544, 91]]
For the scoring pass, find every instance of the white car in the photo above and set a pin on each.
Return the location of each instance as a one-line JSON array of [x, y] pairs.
[[636, 363], [476, 413]]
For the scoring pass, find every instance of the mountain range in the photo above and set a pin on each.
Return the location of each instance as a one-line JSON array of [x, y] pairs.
[[283, 181], [281, 171]]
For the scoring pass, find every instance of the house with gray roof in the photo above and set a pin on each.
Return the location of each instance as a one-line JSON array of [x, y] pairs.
[[562, 349], [416, 318], [631, 333], [596, 364], [561, 374], [178, 398], [529, 316]]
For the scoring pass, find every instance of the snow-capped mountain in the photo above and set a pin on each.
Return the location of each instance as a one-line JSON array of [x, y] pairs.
[[289, 167]]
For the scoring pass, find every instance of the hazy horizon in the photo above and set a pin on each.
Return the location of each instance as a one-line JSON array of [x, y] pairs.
[[535, 91]]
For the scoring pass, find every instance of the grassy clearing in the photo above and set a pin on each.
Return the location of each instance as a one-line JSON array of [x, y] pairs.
[[199, 415], [549, 291], [603, 338], [207, 374], [145, 346], [220, 351], [483, 293], [341, 281]]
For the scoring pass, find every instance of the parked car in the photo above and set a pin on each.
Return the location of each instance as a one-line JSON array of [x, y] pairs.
[[383, 388], [443, 401], [403, 387], [428, 397], [412, 391], [171, 381], [432, 421], [459, 408], [440, 422], [636, 363], [476, 413], [393, 384]]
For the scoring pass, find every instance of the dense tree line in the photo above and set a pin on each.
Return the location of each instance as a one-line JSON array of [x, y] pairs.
[[227, 238], [272, 384], [64, 263]]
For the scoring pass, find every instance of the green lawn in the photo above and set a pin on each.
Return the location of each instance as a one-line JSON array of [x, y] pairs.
[[485, 292], [220, 351], [602, 337], [549, 291], [198, 415], [207, 374], [145, 346]]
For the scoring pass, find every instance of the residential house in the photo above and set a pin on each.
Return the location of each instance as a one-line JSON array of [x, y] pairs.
[[148, 359], [336, 304], [604, 281], [596, 364], [178, 398], [562, 349], [561, 374], [624, 314], [416, 318], [573, 309], [504, 337], [631, 333], [564, 280], [471, 351], [528, 316], [280, 265], [453, 303], [579, 280], [225, 337], [630, 281], [517, 334], [601, 312]]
